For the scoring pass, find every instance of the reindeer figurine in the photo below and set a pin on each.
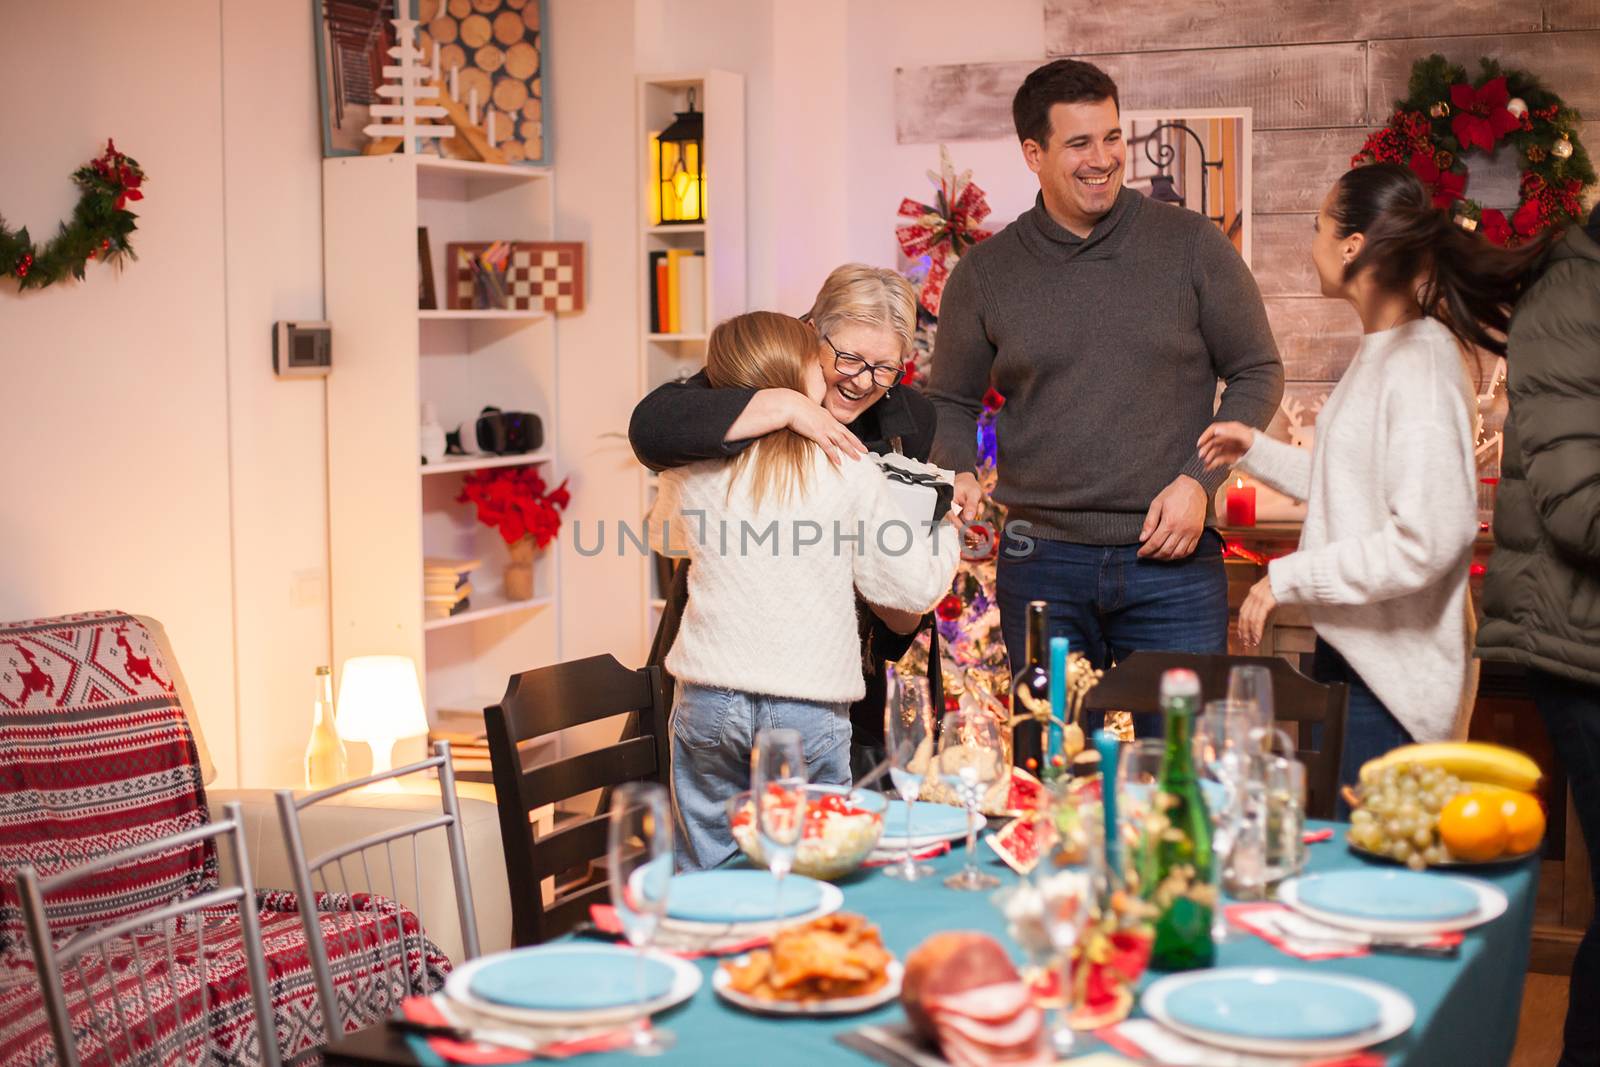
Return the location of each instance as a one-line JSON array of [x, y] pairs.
[[137, 666], [34, 679]]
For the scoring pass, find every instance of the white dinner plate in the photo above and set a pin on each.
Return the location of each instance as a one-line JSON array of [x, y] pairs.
[[1396, 1013], [837, 1006], [831, 900], [1492, 904], [458, 988]]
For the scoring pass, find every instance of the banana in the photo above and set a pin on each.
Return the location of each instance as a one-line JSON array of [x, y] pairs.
[[1471, 761]]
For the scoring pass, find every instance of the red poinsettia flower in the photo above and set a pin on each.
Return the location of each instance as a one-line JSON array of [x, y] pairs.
[[1446, 186], [1529, 218], [949, 609], [992, 400], [1494, 227], [1481, 115], [909, 377]]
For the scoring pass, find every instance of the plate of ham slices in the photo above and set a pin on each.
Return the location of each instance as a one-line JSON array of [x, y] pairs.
[[962, 992]]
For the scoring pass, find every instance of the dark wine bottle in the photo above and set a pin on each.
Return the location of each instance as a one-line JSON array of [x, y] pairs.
[[1030, 691]]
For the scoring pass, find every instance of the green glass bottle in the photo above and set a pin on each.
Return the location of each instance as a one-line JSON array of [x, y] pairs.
[[1176, 865]]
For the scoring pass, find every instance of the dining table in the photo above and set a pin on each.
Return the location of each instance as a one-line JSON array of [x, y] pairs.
[[1466, 1006]]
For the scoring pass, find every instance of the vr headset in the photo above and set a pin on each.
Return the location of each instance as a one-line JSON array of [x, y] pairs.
[[508, 433]]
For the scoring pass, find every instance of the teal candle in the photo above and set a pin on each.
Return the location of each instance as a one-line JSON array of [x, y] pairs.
[[1058, 703], [1109, 750]]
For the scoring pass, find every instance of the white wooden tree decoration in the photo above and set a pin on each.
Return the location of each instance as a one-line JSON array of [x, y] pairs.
[[412, 92]]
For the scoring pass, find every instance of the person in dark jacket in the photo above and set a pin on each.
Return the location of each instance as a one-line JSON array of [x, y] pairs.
[[868, 317], [1541, 598]]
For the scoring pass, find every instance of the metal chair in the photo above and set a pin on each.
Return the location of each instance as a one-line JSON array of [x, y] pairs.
[[1134, 685], [539, 703], [149, 964], [378, 1001]]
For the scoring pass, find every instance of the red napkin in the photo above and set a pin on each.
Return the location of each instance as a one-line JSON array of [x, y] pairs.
[[1124, 1043], [1247, 917], [1316, 837], [939, 848], [604, 917], [424, 1010]]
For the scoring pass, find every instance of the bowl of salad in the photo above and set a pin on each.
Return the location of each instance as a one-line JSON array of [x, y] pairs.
[[842, 827]]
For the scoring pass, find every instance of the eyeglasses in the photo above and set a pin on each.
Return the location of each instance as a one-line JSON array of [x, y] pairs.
[[884, 375]]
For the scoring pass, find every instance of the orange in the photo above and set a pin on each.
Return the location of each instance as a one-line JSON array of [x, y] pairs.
[[1473, 827], [1524, 821]]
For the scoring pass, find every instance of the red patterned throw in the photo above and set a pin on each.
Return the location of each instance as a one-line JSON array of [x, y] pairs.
[[95, 756]]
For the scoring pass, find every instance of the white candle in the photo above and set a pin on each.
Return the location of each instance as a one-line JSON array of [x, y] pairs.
[[489, 111], [472, 106], [400, 9], [455, 88], [436, 61]]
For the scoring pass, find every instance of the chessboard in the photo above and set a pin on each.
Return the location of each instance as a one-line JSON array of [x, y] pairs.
[[540, 276]]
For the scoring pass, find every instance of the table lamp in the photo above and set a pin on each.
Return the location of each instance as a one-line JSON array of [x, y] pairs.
[[379, 703]]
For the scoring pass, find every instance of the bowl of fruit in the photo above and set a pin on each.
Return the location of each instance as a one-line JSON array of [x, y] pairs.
[[1447, 804], [842, 826]]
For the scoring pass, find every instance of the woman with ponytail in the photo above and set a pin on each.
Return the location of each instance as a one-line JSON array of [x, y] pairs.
[[1391, 486], [780, 541]]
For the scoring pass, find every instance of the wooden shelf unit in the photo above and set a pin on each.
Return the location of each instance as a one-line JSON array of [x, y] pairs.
[[387, 511], [664, 357]]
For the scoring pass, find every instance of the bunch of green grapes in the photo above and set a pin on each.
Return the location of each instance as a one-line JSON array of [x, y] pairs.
[[1399, 814]]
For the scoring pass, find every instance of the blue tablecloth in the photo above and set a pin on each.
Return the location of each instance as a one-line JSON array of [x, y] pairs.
[[1466, 1007]]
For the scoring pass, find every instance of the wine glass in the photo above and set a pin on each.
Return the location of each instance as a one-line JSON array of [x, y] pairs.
[[969, 762], [778, 791], [1222, 741], [1138, 779], [639, 856], [1068, 898], [1251, 687], [908, 732]]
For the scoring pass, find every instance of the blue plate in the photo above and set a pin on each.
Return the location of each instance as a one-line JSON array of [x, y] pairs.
[[739, 897], [570, 978], [927, 820], [1273, 1007], [1395, 896]]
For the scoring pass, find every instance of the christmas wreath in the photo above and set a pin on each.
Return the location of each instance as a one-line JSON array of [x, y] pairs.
[[1445, 116], [99, 229]]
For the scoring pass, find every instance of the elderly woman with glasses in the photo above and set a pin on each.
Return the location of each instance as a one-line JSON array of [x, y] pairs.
[[865, 318]]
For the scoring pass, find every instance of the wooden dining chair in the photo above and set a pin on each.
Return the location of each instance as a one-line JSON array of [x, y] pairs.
[[538, 703], [1135, 685]]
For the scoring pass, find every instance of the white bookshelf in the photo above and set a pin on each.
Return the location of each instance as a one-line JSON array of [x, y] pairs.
[[387, 510], [663, 357]]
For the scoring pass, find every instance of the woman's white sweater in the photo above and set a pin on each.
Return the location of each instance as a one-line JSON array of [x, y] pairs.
[[772, 593], [1391, 492]]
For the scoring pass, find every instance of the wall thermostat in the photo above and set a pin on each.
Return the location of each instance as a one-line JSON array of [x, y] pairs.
[[302, 349]]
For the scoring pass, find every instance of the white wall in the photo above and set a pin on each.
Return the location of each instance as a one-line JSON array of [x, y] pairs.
[[114, 489]]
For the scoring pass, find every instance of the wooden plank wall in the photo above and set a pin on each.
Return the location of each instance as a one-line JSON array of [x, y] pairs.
[[1318, 73]]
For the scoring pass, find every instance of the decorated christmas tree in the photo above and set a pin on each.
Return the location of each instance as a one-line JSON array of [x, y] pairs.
[[934, 236]]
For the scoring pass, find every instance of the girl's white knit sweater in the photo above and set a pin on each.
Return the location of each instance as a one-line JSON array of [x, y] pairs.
[[1391, 489], [772, 593]]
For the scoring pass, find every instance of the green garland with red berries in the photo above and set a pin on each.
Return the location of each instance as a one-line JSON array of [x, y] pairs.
[[1445, 116], [99, 229]]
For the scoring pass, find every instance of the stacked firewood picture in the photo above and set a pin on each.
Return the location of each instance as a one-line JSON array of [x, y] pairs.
[[490, 51]]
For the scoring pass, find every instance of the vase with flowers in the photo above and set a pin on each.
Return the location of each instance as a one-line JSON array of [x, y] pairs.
[[520, 505]]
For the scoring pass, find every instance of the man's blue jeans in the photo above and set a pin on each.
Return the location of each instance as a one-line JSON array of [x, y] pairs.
[[1108, 603]]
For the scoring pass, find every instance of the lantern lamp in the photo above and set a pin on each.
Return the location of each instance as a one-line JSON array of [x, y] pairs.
[[680, 176]]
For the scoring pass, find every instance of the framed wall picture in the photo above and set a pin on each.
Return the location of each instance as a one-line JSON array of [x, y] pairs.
[[353, 41], [538, 276], [492, 50], [498, 51], [427, 300]]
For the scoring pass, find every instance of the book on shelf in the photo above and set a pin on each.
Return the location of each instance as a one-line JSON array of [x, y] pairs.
[[658, 291], [459, 726], [439, 609], [443, 565], [677, 291], [692, 294]]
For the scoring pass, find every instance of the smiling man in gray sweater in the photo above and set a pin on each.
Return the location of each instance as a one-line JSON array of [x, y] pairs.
[[1106, 319]]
